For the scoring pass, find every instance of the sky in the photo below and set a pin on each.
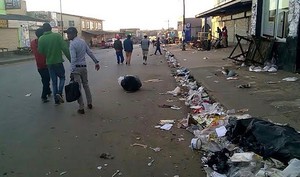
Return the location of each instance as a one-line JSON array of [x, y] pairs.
[[143, 14]]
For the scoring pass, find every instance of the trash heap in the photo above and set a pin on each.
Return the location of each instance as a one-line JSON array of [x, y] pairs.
[[233, 143]]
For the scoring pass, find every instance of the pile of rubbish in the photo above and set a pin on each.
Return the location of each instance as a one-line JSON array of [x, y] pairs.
[[234, 143]]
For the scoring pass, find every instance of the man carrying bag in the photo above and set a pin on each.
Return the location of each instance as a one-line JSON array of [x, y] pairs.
[[78, 48], [72, 91]]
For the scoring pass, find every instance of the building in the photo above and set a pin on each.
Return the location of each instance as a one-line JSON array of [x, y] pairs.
[[90, 29], [234, 14], [192, 26], [279, 20], [16, 28], [273, 20]]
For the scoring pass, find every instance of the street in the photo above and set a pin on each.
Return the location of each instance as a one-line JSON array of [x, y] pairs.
[[41, 139]]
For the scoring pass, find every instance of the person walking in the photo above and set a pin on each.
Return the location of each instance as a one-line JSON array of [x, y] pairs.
[[224, 37], [41, 66], [119, 50], [78, 48], [145, 43], [158, 46], [128, 47], [52, 45]]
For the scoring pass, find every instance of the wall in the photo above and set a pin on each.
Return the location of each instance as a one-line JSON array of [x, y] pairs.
[[9, 38]]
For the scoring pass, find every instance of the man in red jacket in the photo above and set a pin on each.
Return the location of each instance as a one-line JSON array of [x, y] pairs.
[[41, 65]]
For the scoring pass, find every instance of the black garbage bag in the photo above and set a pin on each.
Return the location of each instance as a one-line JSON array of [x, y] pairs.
[[265, 138], [131, 83], [218, 161]]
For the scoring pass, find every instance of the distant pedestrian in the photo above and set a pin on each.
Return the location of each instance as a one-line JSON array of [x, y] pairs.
[[119, 50], [145, 43], [219, 31], [78, 50], [153, 43], [41, 65], [128, 47], [224, 37], [52, 45], [158, 46], [209, 37]]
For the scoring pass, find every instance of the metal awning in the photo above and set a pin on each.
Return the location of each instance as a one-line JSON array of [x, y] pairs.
[[227, 8]]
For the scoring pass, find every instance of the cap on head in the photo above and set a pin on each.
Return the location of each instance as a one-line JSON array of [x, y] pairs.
[[39, 32], [71, 30], [128, 36], [47, 27]]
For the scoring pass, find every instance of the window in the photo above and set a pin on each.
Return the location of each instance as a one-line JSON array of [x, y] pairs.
[[275, 15], [87, 25], [60, 23], [99, 26], [91, 25], [82, 24], [71, 23]]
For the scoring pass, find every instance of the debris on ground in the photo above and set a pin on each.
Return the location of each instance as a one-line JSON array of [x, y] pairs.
[[234, 143], [138, 144], [106, 156]]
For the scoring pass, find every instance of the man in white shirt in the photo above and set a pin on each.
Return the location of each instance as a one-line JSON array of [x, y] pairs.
[[78, 48]]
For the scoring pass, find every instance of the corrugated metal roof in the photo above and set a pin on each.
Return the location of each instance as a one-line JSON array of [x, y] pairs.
[[20, 17]]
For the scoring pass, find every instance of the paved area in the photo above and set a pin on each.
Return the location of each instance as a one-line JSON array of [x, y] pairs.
[[269, 97]]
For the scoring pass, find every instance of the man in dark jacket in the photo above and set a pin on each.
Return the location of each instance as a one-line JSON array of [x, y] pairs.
[[119, 50], [128, 47]]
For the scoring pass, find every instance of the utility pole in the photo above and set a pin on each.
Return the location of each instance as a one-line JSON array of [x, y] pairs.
[[183, 27], [61, 20]]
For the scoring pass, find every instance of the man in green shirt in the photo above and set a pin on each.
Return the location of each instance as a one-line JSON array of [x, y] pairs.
[[52, 45]]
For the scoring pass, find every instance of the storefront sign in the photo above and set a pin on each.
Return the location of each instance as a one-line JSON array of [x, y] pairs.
[[12, 4]]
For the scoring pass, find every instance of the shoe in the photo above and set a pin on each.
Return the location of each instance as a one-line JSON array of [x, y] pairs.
[[90, 106], [49, 94], [144, 63], [80, 111], [45, 100], [57, 103], [60, 98]]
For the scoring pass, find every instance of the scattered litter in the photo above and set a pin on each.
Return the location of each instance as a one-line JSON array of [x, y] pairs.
[[99, 167], [196, 143], [106, 156], [63, 173], [221, 131], [166, 126], [232, 78], [244, 86], [151, 162], [28, 94], [165, 106], [290, 79], [138, 144], [242, 157], [205, 58], [162, 122], [180, 139], [157, 149], [243, 110], [271, 82], [175, 107], [153, 80], [170, 100], [116, 173], [175, 92]]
